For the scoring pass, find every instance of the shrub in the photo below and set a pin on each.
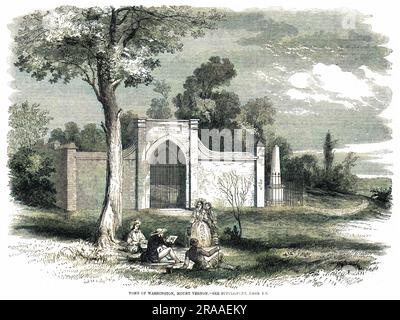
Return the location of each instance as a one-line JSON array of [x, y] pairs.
[[30, 177], [301, 169], [232, 233], [382, 196]]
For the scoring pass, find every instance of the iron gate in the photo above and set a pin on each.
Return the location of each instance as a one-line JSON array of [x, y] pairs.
[[167, 186], [284, 191]]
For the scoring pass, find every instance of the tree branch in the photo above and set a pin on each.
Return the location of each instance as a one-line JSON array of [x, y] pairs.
[[103, 127], [86, 76], [158, 16], [115, 83], [153, 16], [113, 26], [133, 32], [119, 10]]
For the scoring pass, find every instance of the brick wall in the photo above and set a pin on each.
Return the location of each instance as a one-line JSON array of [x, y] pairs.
[[80, 179]]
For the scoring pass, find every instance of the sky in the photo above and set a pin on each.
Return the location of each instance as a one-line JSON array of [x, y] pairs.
[[322, 69]]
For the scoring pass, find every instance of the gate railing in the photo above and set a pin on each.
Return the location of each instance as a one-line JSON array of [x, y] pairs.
[[285, 192], [167, 186]]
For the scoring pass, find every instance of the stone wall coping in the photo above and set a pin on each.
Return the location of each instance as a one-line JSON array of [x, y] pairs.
[[207, 154], [90, 155], [165, 120], [127, 154]]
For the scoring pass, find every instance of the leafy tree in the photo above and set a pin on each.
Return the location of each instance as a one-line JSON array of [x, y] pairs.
[[285, 151], [187, 106], [92, 138], [302, 169], [349, 180], [57, 135], [28, 125], [30, 177], [128, 129], [159, 107], [215, 73], [329, 153], [335, 177], [105, 47], [227, 107], [382, 196], [214, 109], [71, 133], [257, 113]]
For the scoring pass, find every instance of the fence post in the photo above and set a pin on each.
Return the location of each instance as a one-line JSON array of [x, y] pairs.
[[260, 176]]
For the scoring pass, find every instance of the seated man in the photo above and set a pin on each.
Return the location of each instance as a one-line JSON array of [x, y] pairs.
[[203, 259], [136, 241], [158, 248]]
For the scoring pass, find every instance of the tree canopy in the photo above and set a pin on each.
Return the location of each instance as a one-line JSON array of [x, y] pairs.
[[329, 153], [28, 125], [202, 100], [128, 129], [119, 44], [257, 113], [159, 107]]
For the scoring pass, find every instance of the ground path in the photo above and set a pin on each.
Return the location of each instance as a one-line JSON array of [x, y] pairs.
[[342, 211]]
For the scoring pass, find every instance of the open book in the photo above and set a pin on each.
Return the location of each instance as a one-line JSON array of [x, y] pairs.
[[171, 239]]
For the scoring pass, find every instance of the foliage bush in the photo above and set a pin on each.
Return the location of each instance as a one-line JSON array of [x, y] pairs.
[[301, 169], [330, 176], [30, 177], [382, 196], [232, 233]]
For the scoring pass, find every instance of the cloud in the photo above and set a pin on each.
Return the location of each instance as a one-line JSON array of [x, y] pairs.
[[264, 77], [302, 80], [345, 84], [279, 67], [331, 84], [296, 94], [268, 30], [298, 112], [375, 77]]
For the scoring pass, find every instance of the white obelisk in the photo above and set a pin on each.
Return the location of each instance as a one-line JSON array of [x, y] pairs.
[[275, 186]]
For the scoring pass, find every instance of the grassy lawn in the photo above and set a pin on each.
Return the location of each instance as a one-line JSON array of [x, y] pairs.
[[277, 241], [365, 185]]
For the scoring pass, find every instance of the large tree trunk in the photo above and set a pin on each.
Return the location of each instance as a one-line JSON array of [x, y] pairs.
[[111, 214]]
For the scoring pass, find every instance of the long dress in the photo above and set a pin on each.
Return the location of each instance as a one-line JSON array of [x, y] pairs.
[[201, 230], [211, 220]]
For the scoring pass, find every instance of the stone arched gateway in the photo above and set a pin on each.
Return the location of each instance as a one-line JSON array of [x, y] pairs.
[[167, 167]]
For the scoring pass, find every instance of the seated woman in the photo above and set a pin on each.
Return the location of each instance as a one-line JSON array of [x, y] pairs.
[[158, 248], [136, 241], [203, 259]]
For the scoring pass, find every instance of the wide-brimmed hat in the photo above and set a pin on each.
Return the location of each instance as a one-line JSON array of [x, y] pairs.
[[158, 231]]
